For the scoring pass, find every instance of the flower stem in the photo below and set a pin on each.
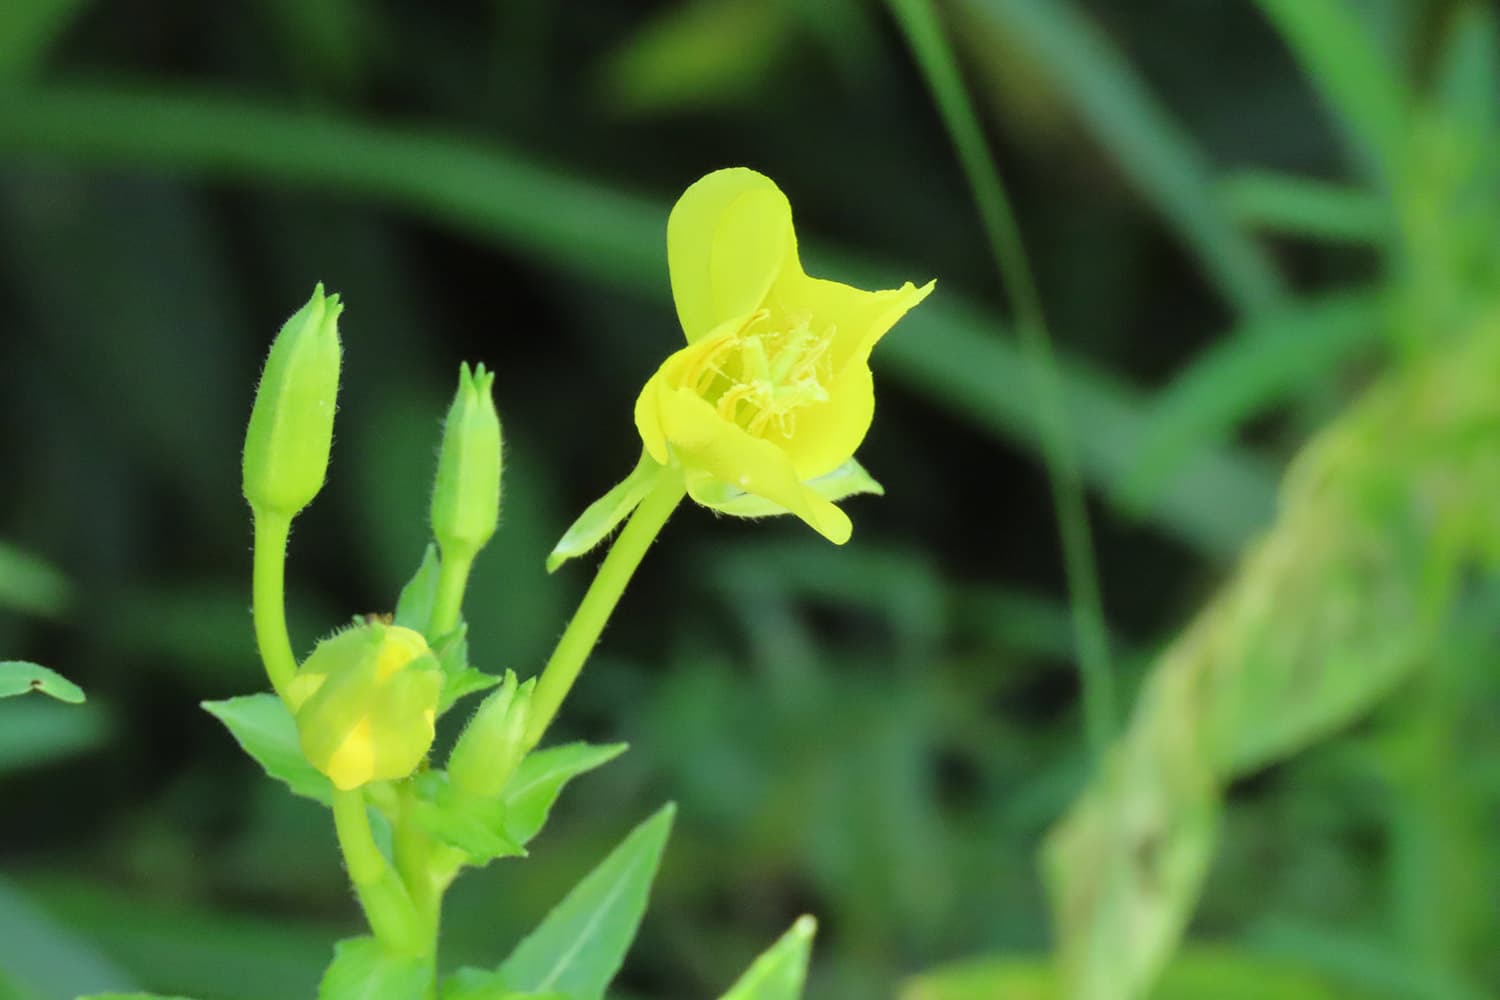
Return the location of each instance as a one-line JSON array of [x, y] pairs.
[[269, 599], [583, 631], [387, 905], [453, 577]]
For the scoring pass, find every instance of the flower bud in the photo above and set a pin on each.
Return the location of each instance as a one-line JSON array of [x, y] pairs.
[[493, 742], [291, 426], [466, 494], [365, 702]]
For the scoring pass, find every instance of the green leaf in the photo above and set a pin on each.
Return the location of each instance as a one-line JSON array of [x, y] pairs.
[[779, 973], [603, 515], [540, 778], [264, 728], [20, 677], [473, 825], [581, 944], [363, 970], [847, 480], [459, 679], [482, 984], [39, 730], [131, 996], [414, 606]]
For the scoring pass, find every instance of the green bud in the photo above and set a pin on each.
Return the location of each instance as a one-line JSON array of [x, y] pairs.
[[493, 742], [466, 494], [291, 426], [365, 702]]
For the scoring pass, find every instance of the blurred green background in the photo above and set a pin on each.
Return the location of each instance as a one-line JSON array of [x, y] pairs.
[[880, 734]]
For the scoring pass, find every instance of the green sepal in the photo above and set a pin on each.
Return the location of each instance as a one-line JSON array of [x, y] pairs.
[[20, 677], [459, 679], [847, 480], [541, 777], [473, 825], [265, 730], [605, 514], [414, 605], [362, 969], [780, 972], [580, 945]]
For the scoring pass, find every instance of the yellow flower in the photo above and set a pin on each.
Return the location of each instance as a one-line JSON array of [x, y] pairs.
[[765, 406], [365, 702]]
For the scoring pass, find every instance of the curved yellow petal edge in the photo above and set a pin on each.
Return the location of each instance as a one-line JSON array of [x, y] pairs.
[[773, 389]]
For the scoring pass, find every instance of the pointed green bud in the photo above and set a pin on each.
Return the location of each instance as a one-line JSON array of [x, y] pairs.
[[291, 426], [493, 742], [365, 702], [466, 494]]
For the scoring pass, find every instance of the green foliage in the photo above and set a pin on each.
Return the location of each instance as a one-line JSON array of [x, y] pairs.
[[20, 677], [581, 944], [265, 730], [780, 972], [363, 970]]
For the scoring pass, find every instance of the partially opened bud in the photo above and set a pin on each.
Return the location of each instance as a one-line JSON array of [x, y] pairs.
[[466, 494], [291, 426], [493, 742], [365, 702]]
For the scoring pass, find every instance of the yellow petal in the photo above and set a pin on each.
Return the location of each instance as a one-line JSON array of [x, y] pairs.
[[353, 763], [825, 435], [680, 367], [727, 239], [858, 318], [709, 446]]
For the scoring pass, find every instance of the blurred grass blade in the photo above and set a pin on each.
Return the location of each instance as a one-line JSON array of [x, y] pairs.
[[933, 54], [45, 960], [28, 28], [36, 731], [1359, 83], [1245, 373], [1152, 150], [1305, 208], [30, 584], [1467, 77], [948, 350]]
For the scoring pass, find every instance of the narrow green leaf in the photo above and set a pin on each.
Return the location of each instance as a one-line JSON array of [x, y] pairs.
[[541, 777], [1154, 152], [1468, 69], [130, 996], [20, 677], [37, 731], [266, 731], [414, 605], [779, 973], [363, 970], [483, 984], [1355, 78], [1299, 206], [1245, 373], [581, 944], [603, 515]]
